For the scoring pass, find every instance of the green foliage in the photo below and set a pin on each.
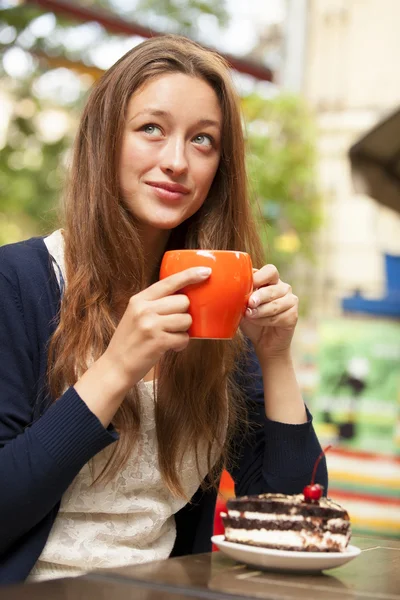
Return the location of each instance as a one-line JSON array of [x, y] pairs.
[[18, 18], [282, 175], [32, 164], [184, 21], [31, 175]]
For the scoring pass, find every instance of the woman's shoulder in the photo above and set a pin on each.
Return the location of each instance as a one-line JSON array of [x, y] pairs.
[[29, 257], [28, 281]]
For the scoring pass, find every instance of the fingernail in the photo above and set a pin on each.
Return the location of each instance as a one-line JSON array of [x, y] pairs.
[[204, 271], [251, 312], [255, 300]]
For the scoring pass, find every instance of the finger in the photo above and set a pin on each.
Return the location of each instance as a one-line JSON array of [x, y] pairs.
[[176, 323], [174, 283], [179, 341], [268, 275], [286, 319], [274, 307], [178, 303], [269, 293]]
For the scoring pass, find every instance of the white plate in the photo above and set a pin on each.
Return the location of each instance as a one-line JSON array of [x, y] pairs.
[[284, 560]]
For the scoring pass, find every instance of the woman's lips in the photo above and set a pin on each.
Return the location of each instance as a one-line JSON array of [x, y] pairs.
[[169, 192]]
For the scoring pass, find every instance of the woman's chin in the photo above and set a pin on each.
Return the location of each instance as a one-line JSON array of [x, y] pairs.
[[167, 222]]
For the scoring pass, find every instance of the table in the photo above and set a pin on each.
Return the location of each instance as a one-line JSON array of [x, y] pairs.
[[84, 588], [373, 575]]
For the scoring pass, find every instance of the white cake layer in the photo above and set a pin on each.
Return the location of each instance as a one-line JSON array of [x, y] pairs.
[[264, 516], [295, 539]]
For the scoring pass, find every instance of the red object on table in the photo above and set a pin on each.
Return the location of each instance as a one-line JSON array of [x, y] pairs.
[[226, 490]]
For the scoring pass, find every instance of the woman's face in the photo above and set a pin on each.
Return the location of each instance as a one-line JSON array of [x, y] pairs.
[[170, 149]]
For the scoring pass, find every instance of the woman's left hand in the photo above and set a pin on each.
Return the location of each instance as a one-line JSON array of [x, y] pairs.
[[272, 314]]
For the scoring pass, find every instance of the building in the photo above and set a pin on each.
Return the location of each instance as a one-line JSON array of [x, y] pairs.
[[343, 57]]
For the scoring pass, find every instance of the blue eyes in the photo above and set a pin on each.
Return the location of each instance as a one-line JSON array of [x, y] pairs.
[[152, 130], [155, 131], [203, 140]]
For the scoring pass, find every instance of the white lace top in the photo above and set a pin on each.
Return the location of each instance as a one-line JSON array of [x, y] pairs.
[[129, 520]]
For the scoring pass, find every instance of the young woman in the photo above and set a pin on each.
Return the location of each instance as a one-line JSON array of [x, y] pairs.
[[114, 427]]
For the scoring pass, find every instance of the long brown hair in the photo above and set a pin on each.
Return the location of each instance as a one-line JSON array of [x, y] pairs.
[[197, 399]]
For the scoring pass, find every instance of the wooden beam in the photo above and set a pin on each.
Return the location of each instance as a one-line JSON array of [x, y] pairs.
[[56, 62]]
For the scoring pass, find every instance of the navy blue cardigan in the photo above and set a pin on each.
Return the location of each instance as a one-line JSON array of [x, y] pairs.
[[43, 445]]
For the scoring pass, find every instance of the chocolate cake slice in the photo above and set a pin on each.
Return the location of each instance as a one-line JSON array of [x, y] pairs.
[[285, 522]]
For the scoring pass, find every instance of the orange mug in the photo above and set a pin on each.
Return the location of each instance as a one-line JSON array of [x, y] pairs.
[[218, 304]]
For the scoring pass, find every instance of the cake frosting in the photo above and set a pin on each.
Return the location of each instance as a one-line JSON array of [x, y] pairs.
[[287, 522]]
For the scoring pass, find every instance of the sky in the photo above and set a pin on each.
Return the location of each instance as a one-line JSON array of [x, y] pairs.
[[248, 19]]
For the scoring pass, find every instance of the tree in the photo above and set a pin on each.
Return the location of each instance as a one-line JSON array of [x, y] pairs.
[[281, 160], [183, 18]]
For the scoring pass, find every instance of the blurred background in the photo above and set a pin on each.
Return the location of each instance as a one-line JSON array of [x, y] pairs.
[[320, 88]]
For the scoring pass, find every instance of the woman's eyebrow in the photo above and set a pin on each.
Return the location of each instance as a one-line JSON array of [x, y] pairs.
[[208, 123], [156, 112]]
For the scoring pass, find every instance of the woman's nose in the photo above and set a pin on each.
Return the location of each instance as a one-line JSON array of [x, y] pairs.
[[173, 159]]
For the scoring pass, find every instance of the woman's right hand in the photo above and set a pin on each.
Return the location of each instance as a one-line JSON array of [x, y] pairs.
[[155, 320]]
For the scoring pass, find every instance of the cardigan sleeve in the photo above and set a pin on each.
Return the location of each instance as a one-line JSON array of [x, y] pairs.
[[272, 456], [38, 460]]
